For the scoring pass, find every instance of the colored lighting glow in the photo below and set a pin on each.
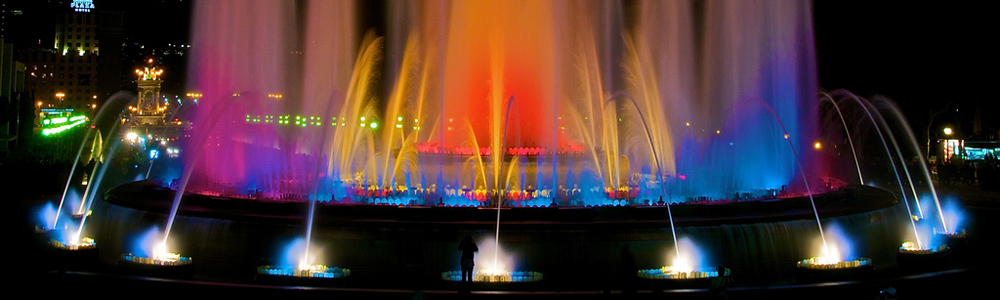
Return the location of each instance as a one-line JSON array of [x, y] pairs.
[[818, 146], [55, 130], [373, 125]]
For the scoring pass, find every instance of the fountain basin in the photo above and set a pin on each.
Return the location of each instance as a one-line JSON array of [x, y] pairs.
[[911, 258], [666, 273], [552, 240], [516, 276], [314, 271], [83, 255], [173, 267], [819, 269], [85, 243], [955, 240]]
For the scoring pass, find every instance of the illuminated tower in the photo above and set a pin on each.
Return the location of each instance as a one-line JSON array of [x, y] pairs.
[[149, 108]]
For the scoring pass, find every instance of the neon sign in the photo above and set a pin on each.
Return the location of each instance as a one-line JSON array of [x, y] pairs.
[[82, 5]]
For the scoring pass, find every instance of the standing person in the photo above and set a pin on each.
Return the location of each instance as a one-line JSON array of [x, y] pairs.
[[720, 284], [468, 261], [627, 270]]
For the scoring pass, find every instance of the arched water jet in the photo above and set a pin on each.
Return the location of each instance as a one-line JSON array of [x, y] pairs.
[[889, 156], [659, 165], [102, 159], [881, 121], [850, 141], [805, 179], [117, 97], [89, 199], [878, 129], [160, 250], [923, 163]]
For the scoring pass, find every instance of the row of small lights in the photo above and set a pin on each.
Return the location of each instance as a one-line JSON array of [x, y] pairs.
[[317, 121]]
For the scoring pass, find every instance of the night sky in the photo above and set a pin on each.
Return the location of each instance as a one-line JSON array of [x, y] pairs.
[[921, 56]]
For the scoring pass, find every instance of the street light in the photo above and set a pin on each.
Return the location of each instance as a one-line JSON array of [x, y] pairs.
[[930, 122], [948, 131]]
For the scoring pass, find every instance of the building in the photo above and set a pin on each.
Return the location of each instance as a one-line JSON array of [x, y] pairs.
[[15, 107], [151, 119], [83, 66]]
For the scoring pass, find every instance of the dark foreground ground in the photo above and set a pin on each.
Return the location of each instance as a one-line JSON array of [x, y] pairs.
[[32, 268]]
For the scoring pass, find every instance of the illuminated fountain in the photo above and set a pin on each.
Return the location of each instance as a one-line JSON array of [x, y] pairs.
[[494, 266], [925, 244], [384, 145], [835, 260], [682, 267], [297, 264], [151, 256], [72, 242]]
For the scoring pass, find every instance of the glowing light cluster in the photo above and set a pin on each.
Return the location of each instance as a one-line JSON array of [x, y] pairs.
[[60, 120], [516, 276], [179, 261], [148, 73], [909, 247], [160, 253], [313, 271], [828, 263], [85, 243], [668, 272], [55, 130]]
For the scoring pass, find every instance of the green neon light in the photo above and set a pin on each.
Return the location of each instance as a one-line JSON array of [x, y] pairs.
[[55, 130]]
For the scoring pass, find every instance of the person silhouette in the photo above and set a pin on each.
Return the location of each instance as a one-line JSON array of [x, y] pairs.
[[627, 269], [468, 261], [720, 284]]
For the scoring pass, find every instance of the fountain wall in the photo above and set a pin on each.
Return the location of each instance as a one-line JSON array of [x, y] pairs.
[[565, 245]]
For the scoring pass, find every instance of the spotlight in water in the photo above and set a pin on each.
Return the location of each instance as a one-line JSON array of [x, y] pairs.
[[835, 253], [688, 265], [488, 271], [293, 263], [152, 249]]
